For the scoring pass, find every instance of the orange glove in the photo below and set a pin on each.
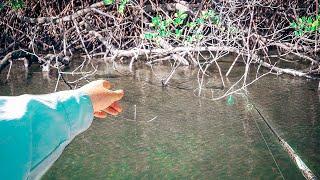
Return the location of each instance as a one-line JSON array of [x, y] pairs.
[[104, 101]]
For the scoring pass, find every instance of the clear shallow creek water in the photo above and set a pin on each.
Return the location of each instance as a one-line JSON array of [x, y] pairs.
[[168, 133]]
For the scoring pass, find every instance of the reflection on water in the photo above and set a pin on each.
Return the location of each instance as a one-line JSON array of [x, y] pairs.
[[178, 135]]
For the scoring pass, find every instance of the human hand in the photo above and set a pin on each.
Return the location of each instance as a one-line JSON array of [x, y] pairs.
[[104, 101]]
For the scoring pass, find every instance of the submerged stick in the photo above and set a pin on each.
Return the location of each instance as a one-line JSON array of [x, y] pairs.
[[153, 119], [135, 113]]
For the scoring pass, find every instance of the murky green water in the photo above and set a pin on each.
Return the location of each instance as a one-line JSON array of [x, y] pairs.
[[175, 135]]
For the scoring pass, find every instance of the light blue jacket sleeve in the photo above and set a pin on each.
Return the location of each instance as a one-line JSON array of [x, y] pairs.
[[34, 130]]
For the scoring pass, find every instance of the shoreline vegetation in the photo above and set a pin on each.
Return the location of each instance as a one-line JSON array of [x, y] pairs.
[[272, 34]]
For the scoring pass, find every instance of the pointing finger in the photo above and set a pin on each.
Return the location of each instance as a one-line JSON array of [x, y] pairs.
[[111, 111], [116, 106]]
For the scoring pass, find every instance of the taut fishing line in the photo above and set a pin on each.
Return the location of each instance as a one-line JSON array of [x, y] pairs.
[[306, 172]]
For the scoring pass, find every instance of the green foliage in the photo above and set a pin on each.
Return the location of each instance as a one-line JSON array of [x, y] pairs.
[[121, 7], [205, 17], [108, 2], [163, 26], [305, 25], [177, 25], [1, 6], [210, 15], [16, 4], [191, 24], [164, 33], [178, 32], [200, 21], [180, 16], [149, 35]]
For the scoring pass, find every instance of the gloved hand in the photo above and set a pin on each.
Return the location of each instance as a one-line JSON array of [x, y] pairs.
[[104, 101]]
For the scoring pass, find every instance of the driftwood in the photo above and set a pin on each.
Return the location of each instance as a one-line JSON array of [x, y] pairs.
[[58, 60]]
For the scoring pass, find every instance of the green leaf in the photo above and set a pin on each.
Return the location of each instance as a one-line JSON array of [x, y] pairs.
[[315, 24], [121, 9], [156, 21], [108, 2], [308, 29], [313, 28], [124, 2], [211, 13], [184, 16], [298, 33], [150, 35], [178, 14], [215, 19], [190, 39], [181, 14], [178, 32], [163, 25], [204, 15], [309, 20], [164, 33], [177, 21], [293, 25], [200, 20], [122, 6], [17, 4], [168, 22], [191, 24]]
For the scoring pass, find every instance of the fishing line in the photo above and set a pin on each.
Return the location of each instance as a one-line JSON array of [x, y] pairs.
[[268, 148], [306, 172]]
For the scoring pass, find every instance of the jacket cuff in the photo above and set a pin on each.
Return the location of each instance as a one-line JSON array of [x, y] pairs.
[[79, 111]]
